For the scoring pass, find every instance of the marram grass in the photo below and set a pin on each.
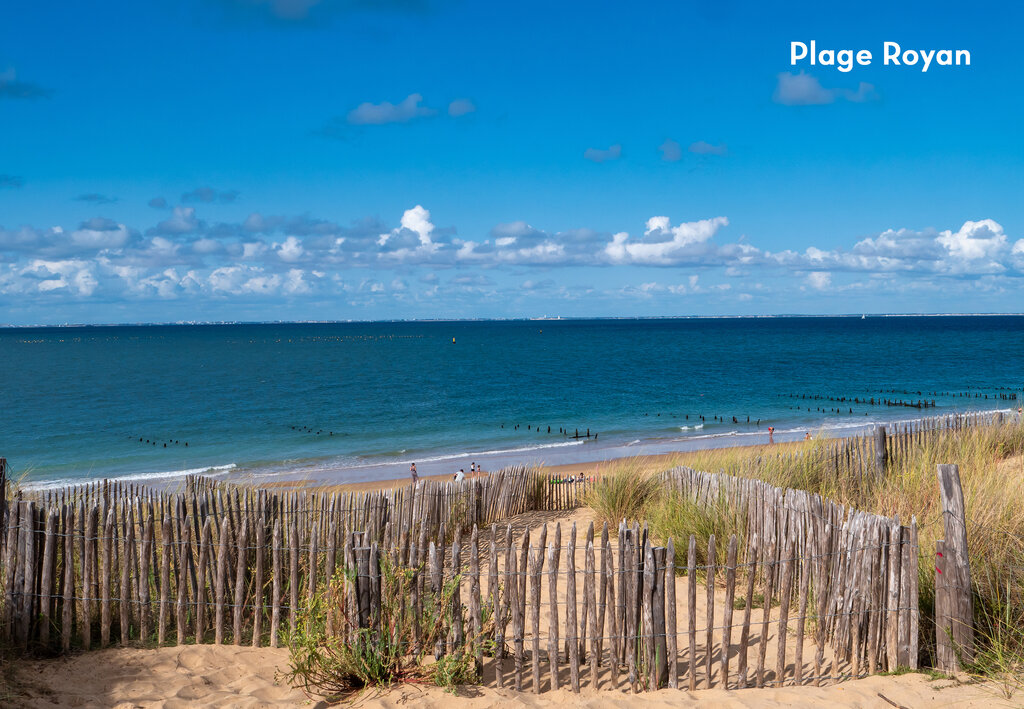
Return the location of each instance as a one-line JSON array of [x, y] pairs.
[[991, 462]]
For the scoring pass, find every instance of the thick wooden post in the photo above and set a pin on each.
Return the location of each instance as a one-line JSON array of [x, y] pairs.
[[881, 454], [4, 522], [956, 577]]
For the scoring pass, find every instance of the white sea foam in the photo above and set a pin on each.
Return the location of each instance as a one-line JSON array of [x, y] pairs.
[[135, 477]]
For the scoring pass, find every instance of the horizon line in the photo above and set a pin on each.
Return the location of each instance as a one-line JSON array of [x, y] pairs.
[[194, 323]]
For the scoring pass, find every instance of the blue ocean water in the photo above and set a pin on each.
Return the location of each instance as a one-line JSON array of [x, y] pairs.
[[359, 401]]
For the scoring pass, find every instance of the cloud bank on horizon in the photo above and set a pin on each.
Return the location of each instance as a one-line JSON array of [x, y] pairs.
[[185, 261]]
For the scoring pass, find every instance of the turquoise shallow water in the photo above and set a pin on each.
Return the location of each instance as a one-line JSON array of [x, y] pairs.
[[358, 401]]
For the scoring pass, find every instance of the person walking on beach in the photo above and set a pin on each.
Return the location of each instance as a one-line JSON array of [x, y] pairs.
[[771, 434], [413, 474]]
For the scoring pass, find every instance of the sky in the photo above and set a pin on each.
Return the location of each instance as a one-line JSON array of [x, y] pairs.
[[203, 160]]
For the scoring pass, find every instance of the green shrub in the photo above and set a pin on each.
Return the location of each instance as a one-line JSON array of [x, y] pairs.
[[336, 666]]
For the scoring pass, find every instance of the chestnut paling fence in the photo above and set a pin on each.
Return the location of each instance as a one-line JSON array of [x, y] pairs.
[[804, 591]]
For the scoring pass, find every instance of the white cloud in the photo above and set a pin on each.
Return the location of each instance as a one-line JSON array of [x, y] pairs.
[[805, 90], [975, 240], [73, 276], [290, 250], [386, 112], [461, 107], [819, 280], [663, 244], [243, 260], [412, 239]]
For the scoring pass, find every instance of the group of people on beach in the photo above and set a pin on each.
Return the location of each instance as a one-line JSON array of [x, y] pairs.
[[459, 476]]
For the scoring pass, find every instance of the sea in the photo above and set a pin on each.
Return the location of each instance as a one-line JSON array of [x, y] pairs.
[[346, 402]]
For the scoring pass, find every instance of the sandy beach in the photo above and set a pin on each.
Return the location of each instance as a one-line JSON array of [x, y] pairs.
[[660, 461], [228, 676]]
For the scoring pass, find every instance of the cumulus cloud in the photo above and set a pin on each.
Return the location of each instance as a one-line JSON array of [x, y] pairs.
[[802, 89], [461, 107], [663, 244], [282, 256], [290, 250], [72, 276], [614, 152], [208, 194], [411, 240], [375, 114], [671, 151], [976, 248], [11, 182], [11, 87], [702, 147]]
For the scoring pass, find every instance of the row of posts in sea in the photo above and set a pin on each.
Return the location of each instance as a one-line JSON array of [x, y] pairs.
[[575, 433], [153, 441], [310, 429], [1004, 393], [870, 401]]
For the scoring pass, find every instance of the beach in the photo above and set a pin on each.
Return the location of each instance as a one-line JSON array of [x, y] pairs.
[[228, 676], [654, 462]]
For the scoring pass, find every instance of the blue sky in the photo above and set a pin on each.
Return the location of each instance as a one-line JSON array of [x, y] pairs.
[[336, 159]]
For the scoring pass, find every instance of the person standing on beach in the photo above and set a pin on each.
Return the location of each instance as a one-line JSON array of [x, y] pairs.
[[771, 434], [412, 473]]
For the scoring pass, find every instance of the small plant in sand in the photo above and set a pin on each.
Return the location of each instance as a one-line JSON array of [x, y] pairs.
[[338, 659]]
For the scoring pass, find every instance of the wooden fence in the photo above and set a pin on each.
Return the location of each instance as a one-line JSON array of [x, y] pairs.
[[110, 564], [872, 454]]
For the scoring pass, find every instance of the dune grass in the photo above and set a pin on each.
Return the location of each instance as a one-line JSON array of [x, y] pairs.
[[625, 489], [991, 462]]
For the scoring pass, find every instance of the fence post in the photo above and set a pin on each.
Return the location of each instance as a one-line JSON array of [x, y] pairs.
[[954, 574], [3, 504], [881, 455]]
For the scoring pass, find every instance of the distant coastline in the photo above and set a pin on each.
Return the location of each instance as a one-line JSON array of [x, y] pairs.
[[200, 323]]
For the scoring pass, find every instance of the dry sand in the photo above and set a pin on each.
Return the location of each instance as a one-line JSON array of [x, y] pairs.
[[227, 676], [655, 462]]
